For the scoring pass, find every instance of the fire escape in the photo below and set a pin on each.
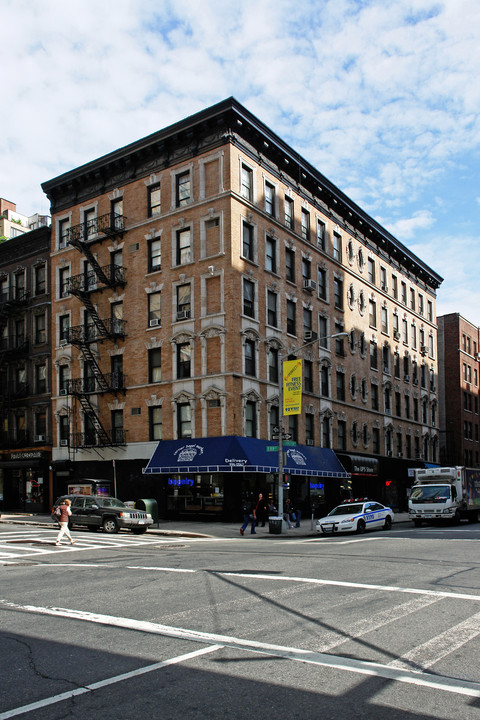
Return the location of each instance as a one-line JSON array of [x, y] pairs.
[[12, 348], [95, 329]]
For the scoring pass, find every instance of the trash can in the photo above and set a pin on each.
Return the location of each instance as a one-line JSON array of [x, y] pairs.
[[150, 505], [275, 525]]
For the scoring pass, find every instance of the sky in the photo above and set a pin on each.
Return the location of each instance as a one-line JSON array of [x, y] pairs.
[[381, 96]]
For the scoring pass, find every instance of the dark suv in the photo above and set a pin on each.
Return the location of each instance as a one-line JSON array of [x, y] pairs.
[[101, 511]]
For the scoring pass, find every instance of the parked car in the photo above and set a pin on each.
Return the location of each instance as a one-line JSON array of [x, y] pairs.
[[356, 516], [109, 513]]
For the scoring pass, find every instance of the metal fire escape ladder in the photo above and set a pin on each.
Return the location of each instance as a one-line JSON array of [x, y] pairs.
[[87, 408]]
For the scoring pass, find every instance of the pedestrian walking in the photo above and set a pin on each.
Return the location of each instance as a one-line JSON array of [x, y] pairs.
[[248, 517], [261, 511], [287, 509], [65, 513]]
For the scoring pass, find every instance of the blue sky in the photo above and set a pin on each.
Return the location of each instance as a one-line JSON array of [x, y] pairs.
[[382, 96]]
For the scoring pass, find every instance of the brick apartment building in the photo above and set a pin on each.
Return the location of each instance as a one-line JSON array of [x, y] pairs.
[[458, 367], [25, 364], [184, 267]]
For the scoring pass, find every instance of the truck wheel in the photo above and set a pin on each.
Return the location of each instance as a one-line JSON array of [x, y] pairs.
[[456, 518], [388, 523], [360, 526], [417, 523], [110, 525]]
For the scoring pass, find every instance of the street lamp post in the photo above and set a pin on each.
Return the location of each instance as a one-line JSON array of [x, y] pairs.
[[281, 430]]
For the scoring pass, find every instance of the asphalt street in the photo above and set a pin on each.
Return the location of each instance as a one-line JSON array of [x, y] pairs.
[[173, 626]]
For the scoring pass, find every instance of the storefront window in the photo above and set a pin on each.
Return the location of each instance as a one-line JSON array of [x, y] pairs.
[[193, 494]]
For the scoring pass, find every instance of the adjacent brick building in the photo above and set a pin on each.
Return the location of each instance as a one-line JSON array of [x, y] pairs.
[[458, 367], [186, 265]]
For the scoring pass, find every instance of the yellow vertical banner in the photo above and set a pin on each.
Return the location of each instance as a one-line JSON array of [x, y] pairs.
[[292, 387]]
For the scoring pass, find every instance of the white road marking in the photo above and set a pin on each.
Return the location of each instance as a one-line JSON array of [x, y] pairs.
[[104, 683], [362, 667], [431, 652]]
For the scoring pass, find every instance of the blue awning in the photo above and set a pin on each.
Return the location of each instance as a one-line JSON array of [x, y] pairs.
[[240, 454]]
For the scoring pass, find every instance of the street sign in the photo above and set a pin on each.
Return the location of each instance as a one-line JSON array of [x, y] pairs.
[[272, 448], [287, 436], [289, 443]]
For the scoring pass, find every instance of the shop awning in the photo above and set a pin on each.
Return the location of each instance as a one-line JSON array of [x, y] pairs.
[[360, 464], [240, 454]]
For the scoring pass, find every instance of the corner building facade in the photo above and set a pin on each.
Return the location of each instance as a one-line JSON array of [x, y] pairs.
[[186, 265]]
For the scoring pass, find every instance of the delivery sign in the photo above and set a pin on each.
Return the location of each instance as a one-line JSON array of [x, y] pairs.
[[292, 387]]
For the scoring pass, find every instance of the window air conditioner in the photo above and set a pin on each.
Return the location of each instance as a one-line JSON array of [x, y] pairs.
[[63, 443], [63, 342], [424, 349], [154, 322], [183, 314], [63, 391], [309, 284], [39, 438], [396, 335], [309, 442]]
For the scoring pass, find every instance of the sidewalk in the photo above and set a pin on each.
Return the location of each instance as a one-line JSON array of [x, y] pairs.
[[192, 529]]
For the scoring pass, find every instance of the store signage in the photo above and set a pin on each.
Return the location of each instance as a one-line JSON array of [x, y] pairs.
[[180, 481], [186, 453], [292, 387], [27, 455], [296, 457], [316, 486]]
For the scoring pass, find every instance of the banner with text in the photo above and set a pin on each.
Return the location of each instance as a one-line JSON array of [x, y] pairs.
[[292, 387]]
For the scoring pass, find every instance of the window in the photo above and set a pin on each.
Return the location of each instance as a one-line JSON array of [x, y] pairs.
[[117, 380], [322, 283], [246, 189], [155, 365], [337, 247], [420, 304], [19, 286], [340, 385], [407, 407], [371, 270], [272, 318], [386, 358], [248, 298], [326, 432], [293, 427], [384, 314], [387, 399], [376, 440], [289, 210], [40, 280], [339, 341], [307, 322], [117, 426], [383, 279], [63, 232], [89, 223], [63, 377], [269, 198], [183, 189], [183, 301], [373, 356], [341, 435], [155, 423], [338, 292], [412, 299], [64, 428], [395, 287], [398, 404], [273, 365], [116, 214], [40, 329], [116, 314], [40, 379], [306, 269], [321, 234], [372, 313], [404, 292], [154, 305], [309, 428], [374, 394], [250, 419], [291, 318], [184, 247], [154, 255], [271, 254], [273, 421], [184, 420], [430, 310], [63, 282], [250, 368], [307, 376], [324, 384], [153, 200], [323, 332], [290, 265], [248, 248], [63, 328], [305, 224], [184, 359]]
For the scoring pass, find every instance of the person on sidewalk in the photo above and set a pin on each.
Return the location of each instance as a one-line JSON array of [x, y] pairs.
[[248, 517], [287, 509], [65, 513], [261, 511]]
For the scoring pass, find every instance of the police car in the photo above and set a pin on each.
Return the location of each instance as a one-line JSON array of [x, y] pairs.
[[356, 516]]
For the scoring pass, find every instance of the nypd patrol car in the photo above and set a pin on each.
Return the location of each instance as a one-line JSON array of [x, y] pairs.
[[356, 516]]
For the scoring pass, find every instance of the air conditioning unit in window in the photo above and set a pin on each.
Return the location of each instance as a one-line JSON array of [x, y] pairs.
[[183, 314], [63, 443], [39, 438], [154, 322], [63, 342], [406, 378], [424, 349], [309, 284], [309, 442], [396, 335], [62, 244], [63, 391]]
